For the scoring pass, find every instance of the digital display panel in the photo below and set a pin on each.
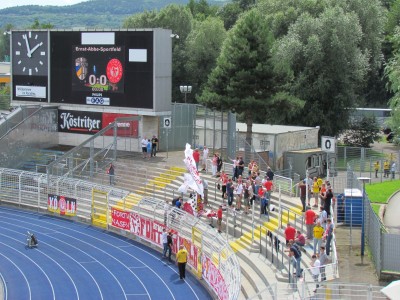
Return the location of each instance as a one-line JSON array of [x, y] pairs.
[[103, 74], [98, 69]]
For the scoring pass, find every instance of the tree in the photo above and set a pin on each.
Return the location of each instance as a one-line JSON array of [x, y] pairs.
[[362, 132], [392, 73], [327, 67], [244, 79], [180, 20], [202, 49]]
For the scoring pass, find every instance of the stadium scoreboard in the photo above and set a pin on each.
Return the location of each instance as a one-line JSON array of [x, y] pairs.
[[128, 69]]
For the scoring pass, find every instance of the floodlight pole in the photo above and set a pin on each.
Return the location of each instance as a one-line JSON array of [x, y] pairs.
[[364, 180]]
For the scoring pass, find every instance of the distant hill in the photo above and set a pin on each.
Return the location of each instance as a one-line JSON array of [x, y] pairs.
[[88, 14]]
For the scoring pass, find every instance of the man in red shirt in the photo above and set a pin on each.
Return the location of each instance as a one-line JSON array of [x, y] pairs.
[[309, 220], [290, 233], [268, 186], [196, 157], [219, 217]]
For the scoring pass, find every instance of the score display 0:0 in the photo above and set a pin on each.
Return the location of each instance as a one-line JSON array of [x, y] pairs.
[[102, 80]]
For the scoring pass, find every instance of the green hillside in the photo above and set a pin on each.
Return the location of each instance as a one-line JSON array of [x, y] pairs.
[[89, 14]]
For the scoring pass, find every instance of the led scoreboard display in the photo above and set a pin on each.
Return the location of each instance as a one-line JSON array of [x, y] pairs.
[[98, 69], [125, 69], [102, 68]]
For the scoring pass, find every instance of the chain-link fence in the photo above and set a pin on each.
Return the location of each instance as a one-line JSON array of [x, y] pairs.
[[358, 212]]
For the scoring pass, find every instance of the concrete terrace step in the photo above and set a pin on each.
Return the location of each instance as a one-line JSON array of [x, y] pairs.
[[257, 271]]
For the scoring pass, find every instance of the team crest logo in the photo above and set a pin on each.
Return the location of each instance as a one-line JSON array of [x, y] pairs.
[[81, 67]]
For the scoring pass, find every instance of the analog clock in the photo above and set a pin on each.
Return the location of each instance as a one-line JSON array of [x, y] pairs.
[[29, 53]]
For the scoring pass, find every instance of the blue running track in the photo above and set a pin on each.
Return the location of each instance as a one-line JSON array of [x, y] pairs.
[[77, 261]]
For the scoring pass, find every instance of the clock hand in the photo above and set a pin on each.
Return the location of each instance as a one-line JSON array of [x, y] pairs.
[[34, 48], [28, 49]]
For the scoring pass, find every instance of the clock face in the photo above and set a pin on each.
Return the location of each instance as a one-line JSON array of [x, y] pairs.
[[29, 53]]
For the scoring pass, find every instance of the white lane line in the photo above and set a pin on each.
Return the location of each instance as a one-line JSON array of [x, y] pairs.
[[22, 273], [65, 254], [40, 268], [120, 239]]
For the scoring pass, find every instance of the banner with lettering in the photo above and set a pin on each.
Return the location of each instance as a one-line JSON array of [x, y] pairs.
[[120, 218], [64, 206], [212, 275], [197, 186]]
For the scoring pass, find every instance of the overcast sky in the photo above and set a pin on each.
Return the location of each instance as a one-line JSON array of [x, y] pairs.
[[9, 3]]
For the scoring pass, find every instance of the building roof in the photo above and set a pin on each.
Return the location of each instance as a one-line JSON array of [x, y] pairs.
[[272, 129]]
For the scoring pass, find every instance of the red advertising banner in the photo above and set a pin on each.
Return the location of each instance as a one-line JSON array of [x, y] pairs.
[[125, 128], [120, 218], [213, 277], [62, 205], [151, 231]]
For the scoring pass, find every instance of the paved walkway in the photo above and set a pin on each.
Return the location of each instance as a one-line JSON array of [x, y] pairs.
[[392, 213]]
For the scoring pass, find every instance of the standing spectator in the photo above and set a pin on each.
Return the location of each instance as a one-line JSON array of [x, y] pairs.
[[154, 146], [328, 200], [164, 241], [268, 188], [246, 196], [196, 157], [181, 259], [219, 164], [239, 194], [214, 164], [323, 259], [219, 218], [111, 173], [315, 270], [170, 244], [290, 233], [330, 227], [295, 255], [315, 190], [302, 188], [235, 168], [323, 216], [309, 189], [270, 174], [318, 232], [309, 221], [229, 192], [143, 143], [393, 170], [240, 166], [264, 202], [148, 149], [205, 192], [386, 169], [205, 158], [224, 181], [376, 168]]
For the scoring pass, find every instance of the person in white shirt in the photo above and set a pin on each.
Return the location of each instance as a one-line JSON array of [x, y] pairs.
[[315, 270], [205, 157], [143, 143], [164, 241], [393, 170]]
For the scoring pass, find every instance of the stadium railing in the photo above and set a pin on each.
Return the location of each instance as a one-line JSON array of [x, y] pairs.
[[216, 258]]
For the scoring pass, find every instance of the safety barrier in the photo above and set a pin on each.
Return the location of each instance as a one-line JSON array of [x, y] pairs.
[[212, 259]]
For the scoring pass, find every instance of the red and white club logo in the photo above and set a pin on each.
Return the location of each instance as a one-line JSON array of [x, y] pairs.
[[114, 70], [63, 205]]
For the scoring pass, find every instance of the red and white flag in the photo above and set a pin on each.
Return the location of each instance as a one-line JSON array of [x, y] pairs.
[[191, 166]]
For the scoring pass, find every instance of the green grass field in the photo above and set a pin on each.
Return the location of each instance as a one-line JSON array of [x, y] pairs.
[[380, 192]]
